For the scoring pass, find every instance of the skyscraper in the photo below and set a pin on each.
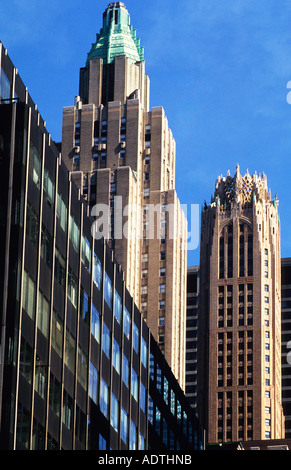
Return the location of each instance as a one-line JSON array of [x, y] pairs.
[[79, 367], [286, 343], [123, 156], [240, 312]]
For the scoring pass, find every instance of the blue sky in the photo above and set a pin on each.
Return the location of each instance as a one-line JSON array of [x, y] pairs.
[[219, 68]]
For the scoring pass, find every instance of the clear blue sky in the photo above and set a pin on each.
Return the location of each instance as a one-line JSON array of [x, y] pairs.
[[219, 68]]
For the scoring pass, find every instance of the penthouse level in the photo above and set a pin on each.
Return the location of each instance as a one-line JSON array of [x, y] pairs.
[[75, 350]]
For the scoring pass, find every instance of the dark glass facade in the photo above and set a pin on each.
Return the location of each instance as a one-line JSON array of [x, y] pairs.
[[76, 354]]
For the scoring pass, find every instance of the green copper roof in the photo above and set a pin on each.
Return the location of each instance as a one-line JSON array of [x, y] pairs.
[[116, 37]]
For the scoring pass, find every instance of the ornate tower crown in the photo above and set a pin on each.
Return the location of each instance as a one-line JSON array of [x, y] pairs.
[[116, 37], [244, 190]]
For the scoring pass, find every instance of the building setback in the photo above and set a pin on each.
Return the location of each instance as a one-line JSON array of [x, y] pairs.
[[240, 312], [123, 153], [75, 352]]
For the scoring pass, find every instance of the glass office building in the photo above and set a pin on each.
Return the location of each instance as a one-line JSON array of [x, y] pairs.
[[79, 367]]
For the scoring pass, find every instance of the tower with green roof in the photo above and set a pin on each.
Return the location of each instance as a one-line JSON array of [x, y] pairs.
[[116, 146]]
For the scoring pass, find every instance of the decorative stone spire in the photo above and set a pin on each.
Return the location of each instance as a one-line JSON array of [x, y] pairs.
[[116, 37]]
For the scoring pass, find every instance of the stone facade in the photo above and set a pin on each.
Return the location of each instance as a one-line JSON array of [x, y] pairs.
[[119, 147], [240, 320]]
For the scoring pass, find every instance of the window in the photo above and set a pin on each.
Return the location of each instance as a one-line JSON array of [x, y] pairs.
[[162, 288], [133, 436], [172, 402], [123, 426], [266, 300], [162, 304], [5, 87], [144, 353], [32, 224], [43, 315], [46, 246], [267, 358], [57, 333], [125, 370], [267, 410], [266, 288], [135, 338], [162, 272], [34, 165], [144, 257], [93, 382], [144, 290], [40, 384], [106, 340], [86, 253], [142, 397], [162, 255], [166, 390], [102, 443], [134, 384], [70, 351], [107, 290], [95, 323], [161, 321], [61, 212], [60, 267], [82, 367], [74, 233], [146, 192], [146, 176], [97, 271], [117, 306], [104, 398], [28, 295], [116, 356], [67, 410], [114, 412], [267, 394], [49, 188], [72, 288], [126, 323]]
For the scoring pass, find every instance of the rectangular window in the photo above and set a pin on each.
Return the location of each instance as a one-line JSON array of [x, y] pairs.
[[106, 340], [134, 384], [116, 356], [60, 267], [28, 295], [74, 232], [85, 306], [32, 224], [123, 426], [49, 188], [114, 412], [5, 87], [133, 436], [102, 443], [162, 304], [43, 315], [107, 290], [104, 398], [70, 351], [142, 397], [144, 353], [93, 382], [166, 391], [82, 367], [126, 323], [135, 338], [57, 333], [34, 165], [97, 271], [162, 288], [117, 306], [95, 323], [72, 288], [125, 370], [46, 246], [62, 212], [86, 253], [162, 272]]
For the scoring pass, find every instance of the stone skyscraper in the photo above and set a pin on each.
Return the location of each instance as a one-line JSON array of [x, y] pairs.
[[240, 312], [123, 156]]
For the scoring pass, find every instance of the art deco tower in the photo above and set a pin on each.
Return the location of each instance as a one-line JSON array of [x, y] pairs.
[[240, 338], [118, 148]]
